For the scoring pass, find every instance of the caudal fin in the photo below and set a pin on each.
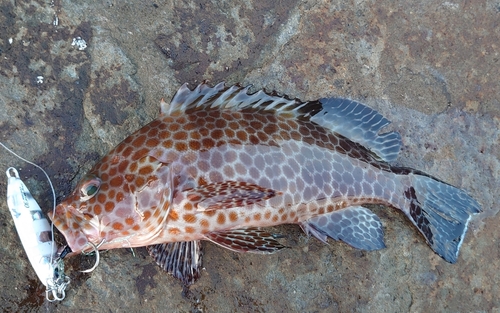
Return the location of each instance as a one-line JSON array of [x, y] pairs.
[[440, 211]]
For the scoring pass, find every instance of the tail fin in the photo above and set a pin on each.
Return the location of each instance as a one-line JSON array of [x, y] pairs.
[[440, 211]]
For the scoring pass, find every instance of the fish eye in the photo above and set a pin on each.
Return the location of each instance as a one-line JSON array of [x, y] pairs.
[[89, 186]]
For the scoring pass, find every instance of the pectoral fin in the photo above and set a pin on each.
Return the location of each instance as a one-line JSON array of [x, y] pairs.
[[181, 259], [252, 240], [356, 226], [228, 194]]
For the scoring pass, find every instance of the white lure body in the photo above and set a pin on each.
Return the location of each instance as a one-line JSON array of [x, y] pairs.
[[33, 228]]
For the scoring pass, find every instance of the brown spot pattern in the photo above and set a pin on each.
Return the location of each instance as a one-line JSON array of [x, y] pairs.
[[259, 167]]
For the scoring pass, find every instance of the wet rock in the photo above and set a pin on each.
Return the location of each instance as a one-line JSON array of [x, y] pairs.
[[429, 67]]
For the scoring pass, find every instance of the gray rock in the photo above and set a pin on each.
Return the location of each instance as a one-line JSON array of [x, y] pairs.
[[430, 67]]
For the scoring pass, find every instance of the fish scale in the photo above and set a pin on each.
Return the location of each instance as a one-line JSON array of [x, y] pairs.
[[219, 164]]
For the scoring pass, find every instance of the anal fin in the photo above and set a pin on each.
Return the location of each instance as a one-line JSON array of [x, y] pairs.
[[356, 226], [183, 260], [252, 240]]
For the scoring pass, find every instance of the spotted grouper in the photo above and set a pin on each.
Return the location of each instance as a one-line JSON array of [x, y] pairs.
[[220, 164]]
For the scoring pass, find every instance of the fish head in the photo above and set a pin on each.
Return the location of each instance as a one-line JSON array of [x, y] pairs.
[[72, 218], [121, 202]]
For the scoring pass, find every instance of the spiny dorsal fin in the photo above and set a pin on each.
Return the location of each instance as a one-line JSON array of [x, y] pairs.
[[233, 97], [348, 118]]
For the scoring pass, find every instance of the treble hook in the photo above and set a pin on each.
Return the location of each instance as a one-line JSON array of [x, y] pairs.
[[96, 250]]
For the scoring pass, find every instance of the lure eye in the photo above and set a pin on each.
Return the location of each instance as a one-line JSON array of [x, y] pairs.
[[89, 186]]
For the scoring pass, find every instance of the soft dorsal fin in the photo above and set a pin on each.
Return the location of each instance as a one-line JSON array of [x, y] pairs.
[[361, 124], [348, 118]]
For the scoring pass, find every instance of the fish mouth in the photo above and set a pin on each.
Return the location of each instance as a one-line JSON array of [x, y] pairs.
[[73, 226]]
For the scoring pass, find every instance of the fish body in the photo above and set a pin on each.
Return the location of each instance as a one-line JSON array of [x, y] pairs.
[[219, 164]]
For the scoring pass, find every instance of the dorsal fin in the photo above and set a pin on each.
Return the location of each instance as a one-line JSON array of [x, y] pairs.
[[361, 124], [234, 97], [348, 118]]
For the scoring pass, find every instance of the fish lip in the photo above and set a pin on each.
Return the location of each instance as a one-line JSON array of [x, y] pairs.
[[76, 239]]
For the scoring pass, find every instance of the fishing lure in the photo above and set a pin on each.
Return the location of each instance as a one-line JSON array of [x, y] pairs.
[[36, 237]]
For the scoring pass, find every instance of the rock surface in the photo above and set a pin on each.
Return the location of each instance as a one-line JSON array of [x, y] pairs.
[[431, 67]]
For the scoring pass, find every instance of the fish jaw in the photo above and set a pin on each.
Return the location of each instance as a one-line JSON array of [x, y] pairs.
[[78, 229]]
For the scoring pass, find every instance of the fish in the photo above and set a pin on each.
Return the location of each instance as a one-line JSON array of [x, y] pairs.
[[221, 163]]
